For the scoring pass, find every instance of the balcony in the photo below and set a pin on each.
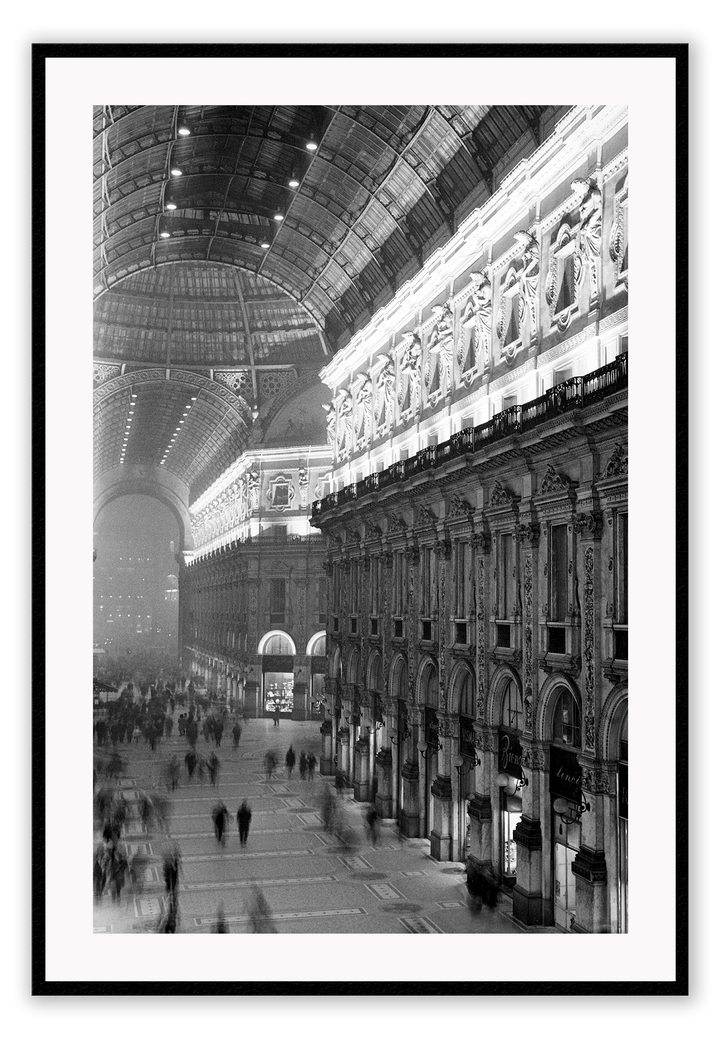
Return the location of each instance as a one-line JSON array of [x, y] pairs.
[[573, 394]]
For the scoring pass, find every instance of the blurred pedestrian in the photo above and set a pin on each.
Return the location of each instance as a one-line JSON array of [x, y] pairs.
[[168, 726], [290, 761], [191, 760], [236, 732], [244, 815], [220, 927], [311, 764], [171, 870], [260, 915], [213, 768], [303, 765], [270, 763], [276, 715], [220, 818], [371, 818]]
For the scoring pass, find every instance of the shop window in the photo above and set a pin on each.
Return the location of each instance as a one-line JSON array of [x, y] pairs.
[[503, 635], [512, 710], [557, 587], [506, 578]]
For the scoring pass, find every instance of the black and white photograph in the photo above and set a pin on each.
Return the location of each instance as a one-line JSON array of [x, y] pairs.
[[352, 432]]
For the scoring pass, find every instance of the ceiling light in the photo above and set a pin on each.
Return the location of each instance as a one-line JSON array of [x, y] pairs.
[[187, 406], [311, 144], [164, 234], [183, 130], [176, 172], [278, 217], [170, 205], [193, 397], [264, 245], [292, 182]]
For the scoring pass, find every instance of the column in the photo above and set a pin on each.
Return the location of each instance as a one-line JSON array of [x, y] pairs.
[[385, 798], [410, 776], [328, 729], [532, 894], [479, 857]]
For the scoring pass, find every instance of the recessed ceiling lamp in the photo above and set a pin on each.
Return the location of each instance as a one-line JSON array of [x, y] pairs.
[[170, 205], [278, 217], [293, 182], [264, 245], [176, 172], [193, 397], [164, 234], [183, 130], [311, 144]]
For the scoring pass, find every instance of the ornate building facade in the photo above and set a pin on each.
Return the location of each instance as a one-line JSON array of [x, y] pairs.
[[254, 613], [477, 539]]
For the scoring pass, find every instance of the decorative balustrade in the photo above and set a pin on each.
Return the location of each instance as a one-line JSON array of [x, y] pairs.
[[573, 394]]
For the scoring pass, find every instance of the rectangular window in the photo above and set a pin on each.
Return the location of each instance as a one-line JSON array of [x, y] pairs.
[[322, 599], [558, 572], [460, 591], [621, 564], [506, 593], [425, 602], [277, 600]]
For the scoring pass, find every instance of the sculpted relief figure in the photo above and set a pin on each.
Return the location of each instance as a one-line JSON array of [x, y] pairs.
[[363, 410], [438, 370], [385, 394], [529, 276], [589, 236], [330, 419], [253, 487], [343, 410], [474, 349], [410, 370]]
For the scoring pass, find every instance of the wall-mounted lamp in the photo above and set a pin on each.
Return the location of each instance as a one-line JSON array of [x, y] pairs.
[[403, 736], [507, 781], [424, 748], [459, 762], [379, 724], [568, 811]]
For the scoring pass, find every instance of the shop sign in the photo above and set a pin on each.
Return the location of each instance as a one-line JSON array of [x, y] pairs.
[[509, 755], [565, 775], [622, 791]]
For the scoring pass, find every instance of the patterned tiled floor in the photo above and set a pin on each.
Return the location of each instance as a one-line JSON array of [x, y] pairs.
[[312, 881]]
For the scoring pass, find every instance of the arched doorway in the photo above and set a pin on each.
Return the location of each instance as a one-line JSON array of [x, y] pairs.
[[510, 718], [399, 690], [463, 702], [277, 650], [565, 801], [317, 651], [429, 746]]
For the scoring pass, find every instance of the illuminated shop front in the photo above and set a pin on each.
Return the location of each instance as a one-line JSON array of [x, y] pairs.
[[278, 664], [511, 780], [567, 807]]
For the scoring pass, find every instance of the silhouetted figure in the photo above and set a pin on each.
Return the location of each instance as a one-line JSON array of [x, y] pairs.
[[270, 763], [260, 916], [244, 815], [290, 761], [220, 818], [311, 764], [303, 765], [171, 871], [327, 809], [371, 818], [236, 732], [220, 926], [213, 768], [169, 920], [276, 715], [191, 761], [173, 773], [168, 726]]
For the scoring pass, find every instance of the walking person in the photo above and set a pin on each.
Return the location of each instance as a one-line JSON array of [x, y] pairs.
[[236, 732], [244, 815], [303, 765], [311, 764], [191, 762], [220, 818], [213, 768], [290, 761], [270, 763], [276, 716]]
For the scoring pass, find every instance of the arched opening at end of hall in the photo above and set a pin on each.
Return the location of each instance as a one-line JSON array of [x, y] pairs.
[[510, 774], [277, 652], [429, 746]]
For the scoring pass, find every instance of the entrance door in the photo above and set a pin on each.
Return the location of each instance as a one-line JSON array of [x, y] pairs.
[[567, 843]]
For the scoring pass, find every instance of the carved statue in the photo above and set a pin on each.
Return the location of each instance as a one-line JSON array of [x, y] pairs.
[[477, 317], [589, 237], [438, 372], [253, 487], [410, 368], [343, 410], [385, 393], [529, 275], [363, 404], [330, 419]]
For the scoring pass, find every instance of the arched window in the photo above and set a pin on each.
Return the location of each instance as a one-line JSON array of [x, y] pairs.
[[375, 673], [354, 667], [276, 645], [316, 646], [566, 720], [511, 715], [429, 689], [464, 694]]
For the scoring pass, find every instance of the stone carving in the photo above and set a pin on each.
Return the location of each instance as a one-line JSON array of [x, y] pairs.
[[528, 642], [426, 516], [330, 418], [103, 372], [410, 370], [396, 523], [552, 481], [253, 487], [500, 496], [533, 759], [460, 507], [529, 278], [363, 410], [618, 234], [303, 482], [481, 541], [596, 782], [530, 533], [385, 395], [238, 381], [617, 465], [438, 367], [589, 236], [343, 412], [587, 522], [474, 350], [375, 529], [562, 278]]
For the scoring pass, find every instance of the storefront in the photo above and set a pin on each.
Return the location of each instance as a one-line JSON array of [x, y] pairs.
[[278, 682], [622, 801], [511, 781], [567, 808], [466, 782]]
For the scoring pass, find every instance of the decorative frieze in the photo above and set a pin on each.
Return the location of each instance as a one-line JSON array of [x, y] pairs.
[[528, 615], [617, 464], [500, 496], [589, 649]]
